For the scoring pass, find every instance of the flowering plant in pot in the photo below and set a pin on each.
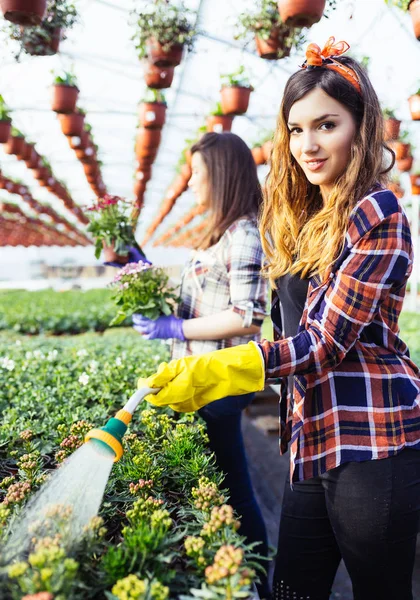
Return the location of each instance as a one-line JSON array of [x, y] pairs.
[[152, 110], [414, 103], [142, 288], [65, 92], [412, 7], [273, 38], [111, 228], [163, 30], [235, 92], [217, 121], [5, 121], [391, 123]]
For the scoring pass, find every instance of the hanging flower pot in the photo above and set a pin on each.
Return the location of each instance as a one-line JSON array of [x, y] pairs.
[[144, 154], [41, 173], [144, 174], [415, 184], [258, 155], [77, 142], [14, 144], [235, 99], [301, 13], [401, 149], [139, 188], [219, 123], [91, 169], [158, 78], [148, 138], [414, 10], [186, 172], [392, 128], [163, 55], [266, 150], [152, 115], [5, 127], [64, 98], [414, 104], [110, 255], [277, 45], [24, 12], [72, 123], [404, 164]]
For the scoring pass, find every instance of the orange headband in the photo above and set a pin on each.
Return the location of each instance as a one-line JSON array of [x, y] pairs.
[[315, 57]]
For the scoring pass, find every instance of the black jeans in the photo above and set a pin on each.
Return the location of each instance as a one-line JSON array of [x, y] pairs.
[[365, 513], [223, 420]]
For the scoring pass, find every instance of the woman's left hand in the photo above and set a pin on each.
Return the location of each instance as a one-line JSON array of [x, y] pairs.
[[162, 328]]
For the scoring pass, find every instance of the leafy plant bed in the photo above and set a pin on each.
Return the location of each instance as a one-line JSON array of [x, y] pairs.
[[47, 311], [165, 529]]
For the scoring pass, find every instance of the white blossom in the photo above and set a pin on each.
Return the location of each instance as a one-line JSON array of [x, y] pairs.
[[84, 379], [8, 363], [118, 361], [81, 353], [93, 366]]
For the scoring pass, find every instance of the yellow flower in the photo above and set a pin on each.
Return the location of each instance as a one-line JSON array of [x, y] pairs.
[[16, 570]]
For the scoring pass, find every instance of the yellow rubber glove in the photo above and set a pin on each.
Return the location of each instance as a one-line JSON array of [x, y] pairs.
[[192, 382]]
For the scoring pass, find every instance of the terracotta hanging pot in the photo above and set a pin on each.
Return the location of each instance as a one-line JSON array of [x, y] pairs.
[[219, 123], [72, 123], [301, 13], [258, 155], [235, 99], [405, 164], [144, 174], [188, 156], [41, 173], [24, 12], [145, 154], [79, 142], [414, 104], [266, 149], [5, 127], [64, 98], [90, 169], [414, 10], [152, 115], [33, 161], [401, 149], [186, 172], [148, 138], [14, 144], [111, 256], [26, 152], [392, 129], [274, 47], [158, 78], [139, 187], [161, 57], [415, 184]]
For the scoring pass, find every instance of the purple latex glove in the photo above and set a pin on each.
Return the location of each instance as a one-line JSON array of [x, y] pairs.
[[163, 328], [134, 255]]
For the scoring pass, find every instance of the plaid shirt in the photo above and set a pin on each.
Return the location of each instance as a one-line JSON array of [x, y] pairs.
[[225, 276], [356, 391]]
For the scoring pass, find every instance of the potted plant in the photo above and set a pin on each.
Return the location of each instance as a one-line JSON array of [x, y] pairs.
[[411, 6], [273, 38], [156, 77], [217, 121], [15, 143], [111, 228], [24, 12], [235, 92], [303, 13], [5, 121], [415, 182], [395, 186], [391, 124], [152, 110], [72, 123], [65, 93], [258, 155], [402, 146], [163, 30], [414, 104]]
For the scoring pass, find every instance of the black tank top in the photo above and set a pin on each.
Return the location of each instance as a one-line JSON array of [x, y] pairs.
[[291, 291]]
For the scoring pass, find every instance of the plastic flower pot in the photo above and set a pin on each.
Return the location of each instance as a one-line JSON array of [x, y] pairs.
[[401, 150], [144, 174], [158, 78], [111, 256], [414, 104], [258, 155], [392, 129], [273, 47], [41, 173], [90, 168], [235, 99], [72, 123], [5, 127], [148, 138], [266, 149], [139, 187], [145, 154], [14, 144], [33, 161], [161, 57], [405, 164], [219, 123], [301, 13], [24, 12], [64, 98], [415, 184], [414, 10], [79, 142], [152, 115]]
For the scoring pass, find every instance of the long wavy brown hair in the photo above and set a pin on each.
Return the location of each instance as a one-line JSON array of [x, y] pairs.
[[233, 190], [300, 233]]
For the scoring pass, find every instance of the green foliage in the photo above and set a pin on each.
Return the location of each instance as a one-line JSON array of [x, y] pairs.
[[168, 23], [401, 4], [152, 96], [388, 113], [238, 78], [65, 78], [4, 110], [47, 311], [16, 132], [142, 288], [405, 136], [217, 110]]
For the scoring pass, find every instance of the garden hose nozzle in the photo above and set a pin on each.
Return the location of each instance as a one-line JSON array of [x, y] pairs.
[[112, 433]]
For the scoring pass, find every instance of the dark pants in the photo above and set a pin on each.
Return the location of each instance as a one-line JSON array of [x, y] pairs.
[[223, 420], [364, 513]]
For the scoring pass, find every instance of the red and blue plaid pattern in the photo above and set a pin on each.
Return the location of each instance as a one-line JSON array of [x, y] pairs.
[[356, 392], [225, 276]]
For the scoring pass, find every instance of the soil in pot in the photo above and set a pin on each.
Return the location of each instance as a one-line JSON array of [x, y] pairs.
[[64, 98], [158, 78], [301, 13], [162, 57], [5, 127], [152, 115], [219, 123], [235, 99], [24, 12]]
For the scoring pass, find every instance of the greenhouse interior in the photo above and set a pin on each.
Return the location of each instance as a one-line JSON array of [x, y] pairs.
[[209, 299]]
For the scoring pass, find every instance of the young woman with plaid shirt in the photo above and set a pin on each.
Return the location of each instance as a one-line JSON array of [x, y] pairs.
[[223, 304], [352, 419]]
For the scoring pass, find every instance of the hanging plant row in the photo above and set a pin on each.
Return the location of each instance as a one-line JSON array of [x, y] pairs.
[[21, 230], [38, 26], [413, 8], [194, 212]]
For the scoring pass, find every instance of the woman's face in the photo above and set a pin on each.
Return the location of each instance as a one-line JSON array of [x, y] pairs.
[[199, 181], [321, 135]]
